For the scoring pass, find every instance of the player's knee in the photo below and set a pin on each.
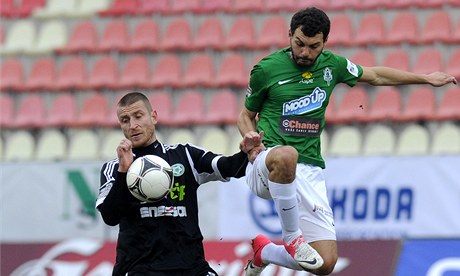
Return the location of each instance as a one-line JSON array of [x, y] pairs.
[[328, 266], [283, 161]]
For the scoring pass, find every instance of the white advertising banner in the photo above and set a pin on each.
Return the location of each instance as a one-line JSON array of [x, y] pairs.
[[371, 197]]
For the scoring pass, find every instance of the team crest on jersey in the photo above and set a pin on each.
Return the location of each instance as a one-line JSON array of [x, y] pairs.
[[327, 75], [178, 169]]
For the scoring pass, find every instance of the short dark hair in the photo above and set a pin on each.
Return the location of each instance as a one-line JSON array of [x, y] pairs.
[[133, 97], [312, 22]]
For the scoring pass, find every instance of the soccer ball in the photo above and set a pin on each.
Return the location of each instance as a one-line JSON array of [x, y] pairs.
[[149, 178]]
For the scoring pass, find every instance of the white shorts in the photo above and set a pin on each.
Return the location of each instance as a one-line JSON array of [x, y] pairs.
[[315, 215]]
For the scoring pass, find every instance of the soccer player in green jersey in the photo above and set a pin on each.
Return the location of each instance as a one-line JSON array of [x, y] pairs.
[[289, 91]]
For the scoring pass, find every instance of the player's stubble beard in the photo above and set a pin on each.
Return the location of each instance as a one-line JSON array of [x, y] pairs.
[[296, 58]]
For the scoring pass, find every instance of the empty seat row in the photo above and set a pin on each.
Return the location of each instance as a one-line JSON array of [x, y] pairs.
[[97, 110]]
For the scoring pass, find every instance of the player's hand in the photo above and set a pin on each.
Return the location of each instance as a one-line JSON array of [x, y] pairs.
[[251, 140], [125, 155], [252, 154], [437, 79]]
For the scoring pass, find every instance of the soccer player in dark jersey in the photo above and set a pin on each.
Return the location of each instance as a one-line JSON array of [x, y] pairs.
[[289, 91], [161, 238]]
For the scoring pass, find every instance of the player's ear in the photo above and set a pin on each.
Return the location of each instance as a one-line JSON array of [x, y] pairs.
[[154, 116]]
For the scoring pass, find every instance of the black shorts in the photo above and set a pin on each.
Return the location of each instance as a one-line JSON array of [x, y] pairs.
[[196, 271]]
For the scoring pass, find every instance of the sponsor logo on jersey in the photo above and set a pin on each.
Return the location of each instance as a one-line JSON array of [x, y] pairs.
[[300, 126], [327, 75], [352, 68], [163, 211], [307, 78], [305, 104]]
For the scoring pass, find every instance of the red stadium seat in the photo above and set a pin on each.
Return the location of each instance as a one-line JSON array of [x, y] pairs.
[[7, 111], [353, 107], [232, 71], [364, 57], [115, 37], [11, 74], [180, 7], [104, 74], [210, 34], [93, 112], [135, 74], [190, 109], [8, 7], [339, 5], [146, 37], [242, 34], [122, 7], [386, 105], [272, 6], [62, 112], [82, 39], [454, 3], [403, 4], [215, 6], [151, 7], [31, 112], [167, 72], [162, 102], [245, 6], [398, 59], [453, 64], [177, 36], [26, 7], [455, 37], [331, 111], [200, 71], [73, 74], [302, 4], [438, 28], [223, 108], [371, 30], [448, 108], [341, 33], [43, 75], [371, 4], [420, 105], [274, 33], [430, 4], [403, 29], [427, 61]]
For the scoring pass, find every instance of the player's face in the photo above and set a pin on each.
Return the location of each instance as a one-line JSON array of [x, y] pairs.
[[137, 123], [305, 49]]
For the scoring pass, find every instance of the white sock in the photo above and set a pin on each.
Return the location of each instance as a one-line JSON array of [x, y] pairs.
[[285, 198], [277, 254]]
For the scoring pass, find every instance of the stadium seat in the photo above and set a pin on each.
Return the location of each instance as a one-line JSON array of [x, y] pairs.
[[167, 72], [413, 140], [331, 111], [11, 74], [398, 59], [215, 6], [42, 76], [8, 8], [428, 60], [345, 141], [379, 140], [93, 112], [25, 8], [51, 146], [104, 74], [223, 108], [371, 5], [181, 136], [177, 36], [341, 33], [162, 102], [190, 109], [19, 146], [340, 5], [181, 7], [273, 6], [403, 4], [420, 105], [83, 145], [454, 3], [146, 37], [84, 38], [404, 28], [448, 108], [135, 73], [437, 28], [20, 37], [199, 71], [232, 71], [72, 75], [112, 116], [122, 7], [7, 111], [242, 34], [386, 106], [56, 9], [31, 112], [154, 7], [244, 6], [115, 36], [274, 33], [52, 35], [62, 112], [353, 107], [430, 4], [446, 140], [455, 37], [90, 8], [215, 139], [364, 57], [453, 64], [210, 34], [371, 30], [112, 139]]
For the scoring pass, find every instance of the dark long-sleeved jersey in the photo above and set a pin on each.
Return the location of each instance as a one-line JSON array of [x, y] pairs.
[[163, 235]]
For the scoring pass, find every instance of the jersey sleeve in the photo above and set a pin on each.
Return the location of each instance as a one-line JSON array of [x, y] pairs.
[[257, 90], [349, 72]]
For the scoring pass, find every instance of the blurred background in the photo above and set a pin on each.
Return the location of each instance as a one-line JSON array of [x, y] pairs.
[[392, 153]]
